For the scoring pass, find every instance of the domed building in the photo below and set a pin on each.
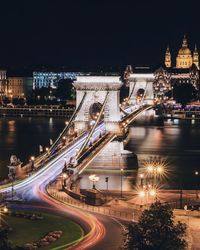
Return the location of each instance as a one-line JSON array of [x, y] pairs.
[[184, 59], [186, 70]]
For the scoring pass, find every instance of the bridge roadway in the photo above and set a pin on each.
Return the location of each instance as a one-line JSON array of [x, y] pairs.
[[34, 188]]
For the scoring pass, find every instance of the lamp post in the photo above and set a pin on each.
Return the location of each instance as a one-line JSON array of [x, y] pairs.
[[106, 180], [121, 170], [12, 177], [2, 210], [172, 93], [146, 191], [64, 175], [32, 162], [196, 174], [141, 179], [155, 170], [94, 179]]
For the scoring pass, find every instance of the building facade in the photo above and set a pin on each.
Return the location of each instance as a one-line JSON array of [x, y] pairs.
[[185, 58], [185, 71], [3, 82], [51, 79], [18, 87]]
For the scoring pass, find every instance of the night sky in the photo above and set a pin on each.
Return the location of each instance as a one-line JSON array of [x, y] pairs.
[[94, 33]]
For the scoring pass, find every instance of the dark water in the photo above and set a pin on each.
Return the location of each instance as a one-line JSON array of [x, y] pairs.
[[22, 137], [176, 142]]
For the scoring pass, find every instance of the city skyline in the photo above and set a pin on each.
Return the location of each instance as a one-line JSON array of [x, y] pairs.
[[99, 125]]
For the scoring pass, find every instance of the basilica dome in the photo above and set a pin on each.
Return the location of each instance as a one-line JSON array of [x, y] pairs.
[[184, 57], [184, 50]]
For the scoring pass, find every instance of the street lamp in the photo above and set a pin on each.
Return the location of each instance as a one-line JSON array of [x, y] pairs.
[[64, 175], [2, 211], [106, 180], [32, 162], [154, 171], [94, 179], [196, 174], [141, 179], [32, 158], [146, 191], [121, 170]]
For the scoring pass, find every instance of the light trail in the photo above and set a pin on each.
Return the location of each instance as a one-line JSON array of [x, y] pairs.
[[53, 168], [34, 186]]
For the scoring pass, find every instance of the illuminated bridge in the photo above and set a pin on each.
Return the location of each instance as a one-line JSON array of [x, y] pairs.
[[98, 119]]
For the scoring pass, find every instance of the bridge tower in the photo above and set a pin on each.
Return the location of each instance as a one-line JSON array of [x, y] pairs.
[[141, 87], [98, 91]]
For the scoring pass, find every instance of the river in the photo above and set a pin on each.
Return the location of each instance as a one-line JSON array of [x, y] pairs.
[[178, 143]]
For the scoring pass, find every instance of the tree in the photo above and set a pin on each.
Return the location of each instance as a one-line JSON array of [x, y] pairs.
[[65, 90], [4, 243], [184, 93], [156, 230]]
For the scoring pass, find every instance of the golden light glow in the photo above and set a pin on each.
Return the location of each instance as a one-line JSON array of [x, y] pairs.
[[156, 166], [152, 192], [150, 168], [32, 158], [141, 176], [141, 193], [5, 209], [94, 178], [64, 175], [160, 169]]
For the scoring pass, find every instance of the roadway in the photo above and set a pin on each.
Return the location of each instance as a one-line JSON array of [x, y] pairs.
[[100, 229]]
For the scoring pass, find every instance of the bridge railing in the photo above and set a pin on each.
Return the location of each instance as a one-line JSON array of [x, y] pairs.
[[64, 198]]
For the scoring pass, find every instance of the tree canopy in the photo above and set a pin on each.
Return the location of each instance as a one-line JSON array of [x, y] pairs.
[[4, 243], [65, 90], [184, 93], [156, 230]]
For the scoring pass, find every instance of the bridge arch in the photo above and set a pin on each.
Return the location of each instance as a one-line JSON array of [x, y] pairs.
[[95, 109], [98, 90], [141, 84]]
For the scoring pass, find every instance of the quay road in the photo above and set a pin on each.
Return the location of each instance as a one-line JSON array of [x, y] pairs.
[[33, 188]]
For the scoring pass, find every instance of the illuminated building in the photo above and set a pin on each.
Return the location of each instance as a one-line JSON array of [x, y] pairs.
[[184, 59], [50, 79], [3, 81], [18, 87]]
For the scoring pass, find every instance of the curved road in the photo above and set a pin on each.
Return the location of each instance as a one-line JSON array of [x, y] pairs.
[[103, 233], [99, 229]]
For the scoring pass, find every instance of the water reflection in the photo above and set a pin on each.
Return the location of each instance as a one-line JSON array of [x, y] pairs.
[[22, 136], [178, 143]]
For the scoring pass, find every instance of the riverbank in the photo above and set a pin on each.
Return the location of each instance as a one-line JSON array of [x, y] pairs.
[[36, 111]]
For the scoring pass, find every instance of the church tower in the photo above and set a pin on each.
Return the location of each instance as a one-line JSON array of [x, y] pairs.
[[168, 58], [184, 57], [196, 57]]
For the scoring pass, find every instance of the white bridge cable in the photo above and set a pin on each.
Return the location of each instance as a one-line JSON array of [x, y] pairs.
[[68, 125], [131, 91], [124, 111], [145, 90], [93, 128]]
